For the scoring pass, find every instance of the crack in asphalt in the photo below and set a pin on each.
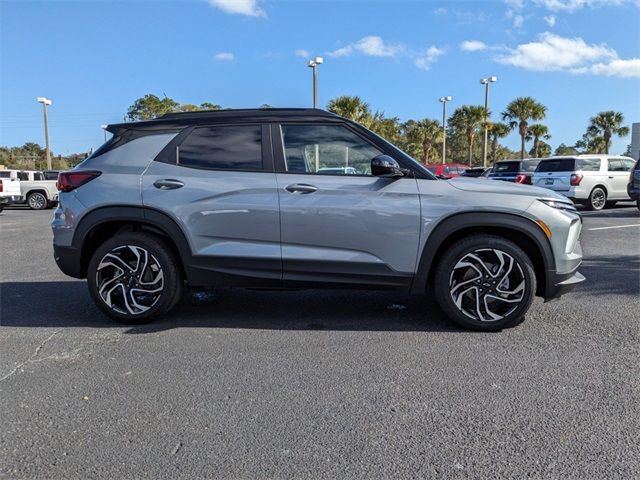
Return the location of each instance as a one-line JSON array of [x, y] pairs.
[[32, 357]]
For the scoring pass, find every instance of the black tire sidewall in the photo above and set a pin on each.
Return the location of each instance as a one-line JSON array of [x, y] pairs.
[[173, 282], [590, 200], [467, 245]]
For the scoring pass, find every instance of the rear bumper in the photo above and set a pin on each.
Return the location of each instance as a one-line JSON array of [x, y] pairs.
[[9, 200], [558, 285], [68, 260]]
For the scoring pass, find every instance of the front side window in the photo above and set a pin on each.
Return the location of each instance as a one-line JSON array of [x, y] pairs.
[[326, 150], [237, 147], [628, 164]]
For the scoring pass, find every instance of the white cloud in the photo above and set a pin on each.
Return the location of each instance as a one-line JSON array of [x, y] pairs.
[[573, 5], [440, 11], [555, 53], [473, 46], [224, 56], [371, 45], [302, 53], [551, 20], [618, 68], [424, 62], [240, 7], [518, 20]]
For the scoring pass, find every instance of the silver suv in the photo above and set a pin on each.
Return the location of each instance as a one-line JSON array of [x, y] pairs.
[[294, 198], [594, 181]]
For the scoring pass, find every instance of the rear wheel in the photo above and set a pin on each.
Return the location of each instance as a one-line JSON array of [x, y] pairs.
[[597, 199], [485, 282], [37, 201], [134, 278]]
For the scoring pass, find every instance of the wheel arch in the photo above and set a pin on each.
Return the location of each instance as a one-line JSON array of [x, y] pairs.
[[522, 231], [37, 190], [102, 223]]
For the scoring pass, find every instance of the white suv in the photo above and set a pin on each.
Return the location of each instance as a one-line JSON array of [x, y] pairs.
[[591, 180]]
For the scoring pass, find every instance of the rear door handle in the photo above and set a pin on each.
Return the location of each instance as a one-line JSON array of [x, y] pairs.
[[168, 184], [300, 188], [610, 176]]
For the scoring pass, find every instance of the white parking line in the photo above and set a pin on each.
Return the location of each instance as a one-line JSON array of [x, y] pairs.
[[617, 226]]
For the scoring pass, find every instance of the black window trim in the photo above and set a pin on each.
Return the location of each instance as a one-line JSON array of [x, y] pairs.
[[169, 154], [279, 156]]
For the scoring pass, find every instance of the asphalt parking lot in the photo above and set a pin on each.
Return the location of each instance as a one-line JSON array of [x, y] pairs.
[[314, 384]]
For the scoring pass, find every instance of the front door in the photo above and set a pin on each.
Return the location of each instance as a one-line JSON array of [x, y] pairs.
[[217, 182], [618, 173], [339, 223]]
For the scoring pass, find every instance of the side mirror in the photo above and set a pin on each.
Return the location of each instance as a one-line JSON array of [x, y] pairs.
[[385, 166]]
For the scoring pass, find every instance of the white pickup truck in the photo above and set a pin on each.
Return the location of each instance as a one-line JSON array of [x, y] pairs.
[[37, 192], [9, 191]]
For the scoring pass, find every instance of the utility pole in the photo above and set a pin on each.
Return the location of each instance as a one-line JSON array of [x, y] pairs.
[[46, 102], [314, 64], [486, 82], [444, 101]]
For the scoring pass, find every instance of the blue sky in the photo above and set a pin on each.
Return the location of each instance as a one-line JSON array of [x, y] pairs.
[[94, 58]]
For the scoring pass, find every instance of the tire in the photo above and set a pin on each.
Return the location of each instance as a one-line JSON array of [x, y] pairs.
[[638, 203], [37, 201], [1, 208], [597, 199], [139, 294], [505, 298]]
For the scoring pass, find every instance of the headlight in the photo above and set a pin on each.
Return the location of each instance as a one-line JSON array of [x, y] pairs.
[[559, 204]]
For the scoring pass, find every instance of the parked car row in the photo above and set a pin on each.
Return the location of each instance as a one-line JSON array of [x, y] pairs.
[[35, 188]]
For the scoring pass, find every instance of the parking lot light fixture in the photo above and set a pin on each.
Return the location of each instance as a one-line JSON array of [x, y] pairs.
[[314, 65], [486, 82], [444, 101], [45, 103]]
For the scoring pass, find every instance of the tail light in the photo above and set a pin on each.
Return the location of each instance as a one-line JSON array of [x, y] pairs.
[[68, 181], [575, 179], [1, 187], [523, 179]]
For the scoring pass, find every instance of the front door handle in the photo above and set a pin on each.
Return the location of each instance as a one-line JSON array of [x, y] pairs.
[[610, 176], [300, 188], [168, 184]]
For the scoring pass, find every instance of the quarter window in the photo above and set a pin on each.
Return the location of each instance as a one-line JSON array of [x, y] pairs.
[[326, 150], [223, 147]]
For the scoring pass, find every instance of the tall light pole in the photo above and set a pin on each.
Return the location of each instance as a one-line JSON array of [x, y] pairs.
[[104, 130], [314, 64], [486, 82], [444, 101], [45, 103]]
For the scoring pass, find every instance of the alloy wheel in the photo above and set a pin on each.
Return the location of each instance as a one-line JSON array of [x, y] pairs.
[[598, 199], [487, 285], [37, 201], [130, 280]]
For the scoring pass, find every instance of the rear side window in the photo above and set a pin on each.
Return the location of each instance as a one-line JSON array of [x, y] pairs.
[[23, 176], [237, 147], [588, 164], [557, 165], [38, 176]]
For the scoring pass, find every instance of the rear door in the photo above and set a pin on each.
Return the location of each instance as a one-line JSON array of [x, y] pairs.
[[217, 182], [618, 177], [555, 174], [342, 228]]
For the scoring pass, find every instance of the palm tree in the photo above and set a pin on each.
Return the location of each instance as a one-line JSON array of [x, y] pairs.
[[537, 131], [496, 131], [607, 124], [468, 119], [350, 107], [425, 133], [519, 112]]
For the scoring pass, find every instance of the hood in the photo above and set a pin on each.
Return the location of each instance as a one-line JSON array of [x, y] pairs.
[[507, 188]]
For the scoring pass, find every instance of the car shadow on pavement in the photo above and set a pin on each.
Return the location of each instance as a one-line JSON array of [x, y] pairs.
[[605, 275], [67, 304]]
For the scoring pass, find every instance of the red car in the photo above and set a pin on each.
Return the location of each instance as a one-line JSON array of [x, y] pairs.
[[447, 170]]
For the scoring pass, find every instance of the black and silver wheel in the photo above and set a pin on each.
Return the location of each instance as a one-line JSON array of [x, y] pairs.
[[597, 199], [134, 277], [485, 282], [37, 201]]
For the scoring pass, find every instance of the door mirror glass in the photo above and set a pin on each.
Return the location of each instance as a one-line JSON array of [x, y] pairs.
[[385, 166]]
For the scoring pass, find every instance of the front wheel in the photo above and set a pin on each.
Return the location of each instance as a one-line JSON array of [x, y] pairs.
[[485, 282], [134, 278]]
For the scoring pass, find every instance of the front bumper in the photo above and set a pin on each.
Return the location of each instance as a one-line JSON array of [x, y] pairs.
[[633, 192], [558, 285]]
